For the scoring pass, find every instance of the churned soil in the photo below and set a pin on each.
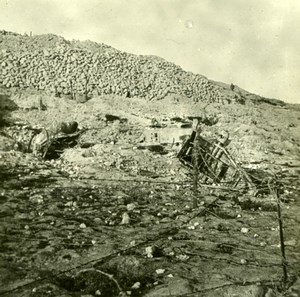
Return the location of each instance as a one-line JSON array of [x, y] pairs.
[[110, 219]]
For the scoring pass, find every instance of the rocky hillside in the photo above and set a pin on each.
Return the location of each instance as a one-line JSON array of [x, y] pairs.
[[82, 70], [111, 215]]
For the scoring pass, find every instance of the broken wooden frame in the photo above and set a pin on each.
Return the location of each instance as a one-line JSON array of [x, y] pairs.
[[51, 145], [215, 164]]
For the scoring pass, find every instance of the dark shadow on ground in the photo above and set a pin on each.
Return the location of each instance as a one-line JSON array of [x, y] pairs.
[[6, 106], [13, 178]]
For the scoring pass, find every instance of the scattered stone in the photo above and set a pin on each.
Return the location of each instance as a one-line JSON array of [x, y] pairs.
[[136, 286], [98, 221], [132, 243], [82, 226], [191, 227], [36, 199], [131, 206], [244, 261], [182, 257], [81, 73], [160, 271], [149, 251], [292, 242], [263, 244], [125, 219]]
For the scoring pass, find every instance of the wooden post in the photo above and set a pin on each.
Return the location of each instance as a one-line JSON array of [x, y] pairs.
[[195, 157], [281, 236]]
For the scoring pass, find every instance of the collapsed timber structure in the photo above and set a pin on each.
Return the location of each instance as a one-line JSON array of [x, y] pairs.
[[50, 143], [215, 165]]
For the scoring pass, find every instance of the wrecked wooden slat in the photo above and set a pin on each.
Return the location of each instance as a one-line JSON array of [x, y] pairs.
[[214, 162]]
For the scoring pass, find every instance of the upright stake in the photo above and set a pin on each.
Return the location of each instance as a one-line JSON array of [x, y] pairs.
[[195, 170], [282, 246]]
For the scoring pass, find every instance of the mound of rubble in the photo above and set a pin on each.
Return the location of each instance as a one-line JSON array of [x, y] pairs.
[[81, 70]]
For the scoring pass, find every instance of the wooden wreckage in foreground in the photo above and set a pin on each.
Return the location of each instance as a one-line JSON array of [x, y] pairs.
[[50, 143], [215, 165]]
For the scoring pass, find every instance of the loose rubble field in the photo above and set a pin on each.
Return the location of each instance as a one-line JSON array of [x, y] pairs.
[[110, 219], [111, 216], [85, 69]]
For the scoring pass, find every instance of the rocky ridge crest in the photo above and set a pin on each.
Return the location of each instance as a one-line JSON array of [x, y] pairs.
[[75, 69]]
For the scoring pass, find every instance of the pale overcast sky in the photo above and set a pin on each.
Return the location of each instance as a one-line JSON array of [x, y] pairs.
[[252, 43]]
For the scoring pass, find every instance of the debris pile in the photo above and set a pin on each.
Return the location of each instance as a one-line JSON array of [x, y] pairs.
[[51, 143], [214, 164], [79, 72], [171, 133]]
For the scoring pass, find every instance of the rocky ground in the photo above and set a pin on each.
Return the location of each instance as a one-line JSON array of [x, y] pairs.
[[110, 219], [82, 70]]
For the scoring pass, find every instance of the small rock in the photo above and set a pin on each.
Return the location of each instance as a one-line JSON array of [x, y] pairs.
[[263, 243], [182, 257], [98, 221], [149, 251], [292, 242], [82, 226], [243, 261], [36, 199], [130, 206], [136, 286], [244, 230], [125, 219], [160, 271]]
